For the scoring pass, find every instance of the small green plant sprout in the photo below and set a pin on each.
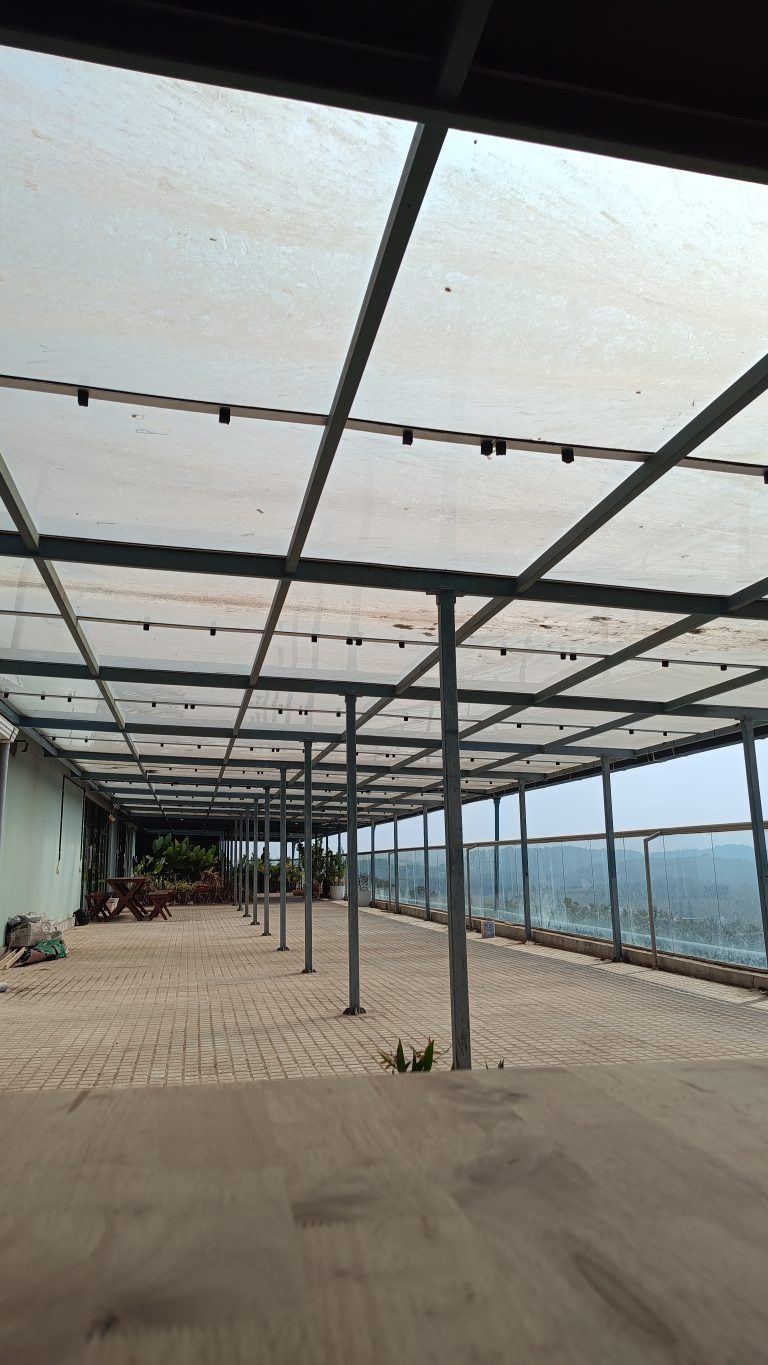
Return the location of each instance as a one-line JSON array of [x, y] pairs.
[[396, 1062]]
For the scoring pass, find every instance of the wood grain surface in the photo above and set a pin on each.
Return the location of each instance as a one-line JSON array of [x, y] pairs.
[[596, 1214]]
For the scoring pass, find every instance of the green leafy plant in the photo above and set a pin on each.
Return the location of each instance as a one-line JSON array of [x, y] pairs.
[[171, 861], [335, 868], [396, 1062]]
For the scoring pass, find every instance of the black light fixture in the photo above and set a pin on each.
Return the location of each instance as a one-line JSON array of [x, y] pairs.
[[314, 639], [665, 663], [407, 438], [146, 625], [82, 398], [503, 653], [213, 630], [501, 447], [358, 642], [566, 455], [224, 416], [486, 447]]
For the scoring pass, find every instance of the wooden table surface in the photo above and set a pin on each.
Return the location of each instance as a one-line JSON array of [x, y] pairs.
[[613, 1214]]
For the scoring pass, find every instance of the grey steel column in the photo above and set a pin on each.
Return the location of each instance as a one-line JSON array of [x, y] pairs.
[[353, 917], [255, 912], [266, 933], [373, 862], [5, 750], [397, 868], [308, 857], [496, 835], [454, 836], [610, 849], [756, 816], [428, 912], [246, 877], [237, 865], [524, 869], [282, 946]]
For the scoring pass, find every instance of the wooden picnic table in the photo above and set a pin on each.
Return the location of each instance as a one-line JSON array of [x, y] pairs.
[[129, 892]]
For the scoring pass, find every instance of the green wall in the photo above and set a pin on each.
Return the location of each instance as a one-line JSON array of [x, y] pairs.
[[34, 877]]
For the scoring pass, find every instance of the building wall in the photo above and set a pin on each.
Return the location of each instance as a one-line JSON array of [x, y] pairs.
[[40, 850]]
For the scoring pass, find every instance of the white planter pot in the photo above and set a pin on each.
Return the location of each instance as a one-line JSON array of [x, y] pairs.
[[337, 891]]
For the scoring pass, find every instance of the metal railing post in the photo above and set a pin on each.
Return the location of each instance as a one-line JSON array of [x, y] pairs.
[[649, 894], [373, 862], [454, 838]]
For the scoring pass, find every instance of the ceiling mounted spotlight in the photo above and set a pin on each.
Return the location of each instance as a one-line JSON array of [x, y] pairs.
[[486, 447], [566, 455], [146, 625], [224, 416], [213, 630], [358, 642], [501, 447], [503, 653], [314, 639], [407, 438], [665, 663], [82, 398]]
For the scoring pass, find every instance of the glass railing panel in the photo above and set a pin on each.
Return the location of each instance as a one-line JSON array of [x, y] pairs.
[[569, 887], [705, 897]]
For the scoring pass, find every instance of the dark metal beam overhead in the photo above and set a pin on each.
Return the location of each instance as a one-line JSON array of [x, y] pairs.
[[681, 93]]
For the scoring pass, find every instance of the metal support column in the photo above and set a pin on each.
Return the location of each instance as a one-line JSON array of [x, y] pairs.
[[610, 849], [756, 816], [237, 863], [353, 925], [428, 912], [496, 836], [266, 933], [282, 946], [524, 869], [396, 861], [308, 857], [373, 861], [246, 869], [454, 836], [255, 915], [647, 841], [5, 750]]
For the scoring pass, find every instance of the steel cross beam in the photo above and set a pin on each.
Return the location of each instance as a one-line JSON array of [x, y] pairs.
[[426, 145], [26, 529], [403, 578]]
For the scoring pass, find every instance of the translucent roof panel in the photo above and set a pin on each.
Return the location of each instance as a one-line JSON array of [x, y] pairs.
[[517, 671], [37, 637], [447, 506], [205, 600], [124, 643], [595, 630], [21, 587], [743, 439], [729, 641], [297, 656], [690, 532], [646, 680], [175, 238], [376, 613], [598, 302], [173, 478]]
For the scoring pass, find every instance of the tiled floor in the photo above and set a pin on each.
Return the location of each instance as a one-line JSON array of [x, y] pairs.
[[205, 998]]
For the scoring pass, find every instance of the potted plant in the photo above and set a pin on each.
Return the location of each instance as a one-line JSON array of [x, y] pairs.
[[335, 871]]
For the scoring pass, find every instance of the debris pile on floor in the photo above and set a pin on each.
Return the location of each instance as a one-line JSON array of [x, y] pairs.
[[31, 938]]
